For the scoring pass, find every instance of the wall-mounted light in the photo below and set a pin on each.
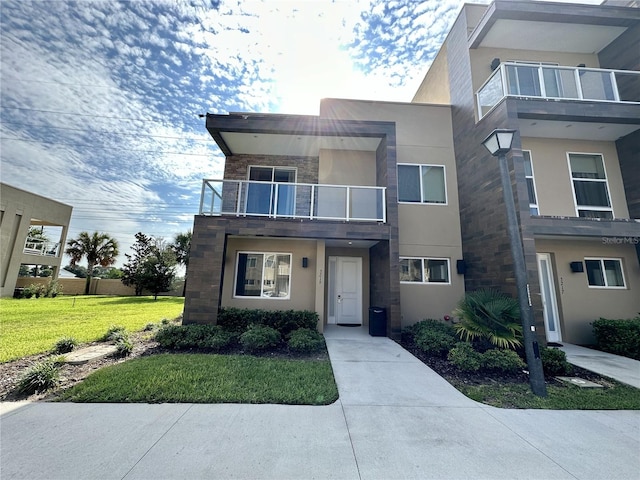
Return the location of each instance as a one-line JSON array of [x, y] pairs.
[[495, 63], [305, 262], [576, 267], [461, 267]]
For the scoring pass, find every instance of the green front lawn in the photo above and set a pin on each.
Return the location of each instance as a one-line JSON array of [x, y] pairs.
[[201, 378], [31, 326]]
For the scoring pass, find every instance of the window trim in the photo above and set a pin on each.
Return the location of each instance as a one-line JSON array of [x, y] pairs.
[[420, 165], [425, 281], [604, 180], [261, 297], [608, 287], [533, 181]]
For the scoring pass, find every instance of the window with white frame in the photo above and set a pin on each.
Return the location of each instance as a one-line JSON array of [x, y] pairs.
[[604, 272], [424, 270], [264, 275], [590, 188], [531, 185], [422, 184]]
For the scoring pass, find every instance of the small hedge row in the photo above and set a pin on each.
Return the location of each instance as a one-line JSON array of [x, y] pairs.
[[253, 330], [621, 337], [284, 321]]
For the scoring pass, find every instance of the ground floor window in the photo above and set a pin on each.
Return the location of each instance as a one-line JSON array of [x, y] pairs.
[[424, 270], [604, 272], [266, 275]]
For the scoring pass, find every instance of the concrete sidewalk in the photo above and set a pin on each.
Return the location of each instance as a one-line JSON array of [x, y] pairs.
[[395, 419], [623, 369]]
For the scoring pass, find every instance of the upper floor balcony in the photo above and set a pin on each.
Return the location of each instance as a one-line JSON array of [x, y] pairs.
[[293, 200], [34, 246], [552, 82]]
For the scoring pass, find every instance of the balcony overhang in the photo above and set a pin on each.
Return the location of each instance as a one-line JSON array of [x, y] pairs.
[[554, 27], [294, 135], [577, 120], [581, 228]]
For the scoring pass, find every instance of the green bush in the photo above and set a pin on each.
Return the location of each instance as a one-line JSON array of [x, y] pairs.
[[185, 337], [490, 315], [465, 357], [305, 340], [65, 345], [501, 360], [554, 362], [124, 346], [113, 333], [285, 321], [40, 377], [259, 338], [621, 337], [434, 337]]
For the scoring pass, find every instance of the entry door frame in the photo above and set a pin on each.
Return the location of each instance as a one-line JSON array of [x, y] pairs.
[[339, 295], [549, 299]]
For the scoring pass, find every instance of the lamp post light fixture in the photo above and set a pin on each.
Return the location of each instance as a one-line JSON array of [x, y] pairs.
[[499, 143]]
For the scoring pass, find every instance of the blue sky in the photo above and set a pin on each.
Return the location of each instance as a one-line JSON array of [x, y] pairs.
[[99, 99]]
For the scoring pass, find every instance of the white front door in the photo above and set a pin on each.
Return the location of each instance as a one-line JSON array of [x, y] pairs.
[[345, 290], [549, 302]]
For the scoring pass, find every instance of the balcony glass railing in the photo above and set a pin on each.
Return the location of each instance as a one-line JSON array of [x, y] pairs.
[[34, 246], [558, 83], [293, 200]]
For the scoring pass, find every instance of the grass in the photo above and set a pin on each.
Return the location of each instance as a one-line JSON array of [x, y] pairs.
[[31, 326], [614, 396], [202, 378]]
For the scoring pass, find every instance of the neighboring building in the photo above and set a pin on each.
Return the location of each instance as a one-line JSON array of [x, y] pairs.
[[19, 211], [567, 79], [374, 203]]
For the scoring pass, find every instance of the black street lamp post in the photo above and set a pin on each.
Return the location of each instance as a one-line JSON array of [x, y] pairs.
[[499, 143]]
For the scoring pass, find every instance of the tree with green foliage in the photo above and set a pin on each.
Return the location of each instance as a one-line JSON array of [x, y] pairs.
[[97, 248], [132, 270], [151, 267], [181, 247]]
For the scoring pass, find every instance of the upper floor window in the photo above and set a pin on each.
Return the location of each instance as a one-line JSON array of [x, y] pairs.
[[590, 188], [424, 270], [269, 198], [531, 185], [421, 184], [263, 275], [604, 272]]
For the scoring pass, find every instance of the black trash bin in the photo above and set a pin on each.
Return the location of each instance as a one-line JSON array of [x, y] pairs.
[[377, 322]]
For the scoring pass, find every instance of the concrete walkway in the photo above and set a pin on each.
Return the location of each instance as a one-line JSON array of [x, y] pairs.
[[395, 419], [623, 369]]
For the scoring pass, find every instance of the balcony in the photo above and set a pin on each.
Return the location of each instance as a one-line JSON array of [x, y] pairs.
[[35, 246], [293, 200], [524, 80]]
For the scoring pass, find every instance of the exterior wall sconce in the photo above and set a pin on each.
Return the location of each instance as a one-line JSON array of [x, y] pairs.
[[305, 262], [495, 63], [499, 143], [461, 267], [576, 267]]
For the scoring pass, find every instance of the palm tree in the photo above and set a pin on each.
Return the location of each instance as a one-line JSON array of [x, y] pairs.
[[181, 246], [98, 248]]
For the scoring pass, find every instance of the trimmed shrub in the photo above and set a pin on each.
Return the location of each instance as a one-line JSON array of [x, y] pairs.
[[621, 337], [434, 337], [305, 340], [554, 362], [285, 321], [40, 377], [65, 345], [185, 337], [465, 357], [259, 338], [501, 360]]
